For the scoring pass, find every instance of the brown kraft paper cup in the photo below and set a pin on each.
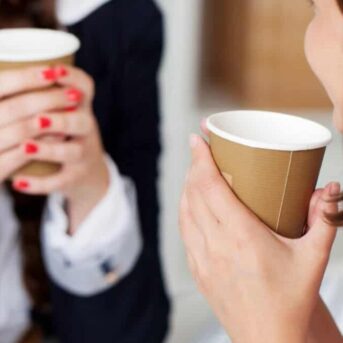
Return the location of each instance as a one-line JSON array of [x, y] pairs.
[[25, 48], [272, 162]]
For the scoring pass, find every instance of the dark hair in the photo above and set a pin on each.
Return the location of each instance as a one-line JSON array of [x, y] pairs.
[[29, 209], [34, 13], [340, 4]]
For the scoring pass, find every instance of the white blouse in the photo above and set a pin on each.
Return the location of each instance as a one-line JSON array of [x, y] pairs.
[[104, 249], [72, 11]]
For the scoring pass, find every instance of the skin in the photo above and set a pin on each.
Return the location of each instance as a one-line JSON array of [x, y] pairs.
[[25, 101], [229, 249]]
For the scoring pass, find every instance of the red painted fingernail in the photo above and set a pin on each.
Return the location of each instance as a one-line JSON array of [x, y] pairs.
[[71, 109], [44, 122], [21, 184], [74, 95], [61, 72], [31, 148], [49, 74]]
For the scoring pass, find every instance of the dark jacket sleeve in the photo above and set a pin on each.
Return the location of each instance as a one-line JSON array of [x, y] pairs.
[[136, 143]]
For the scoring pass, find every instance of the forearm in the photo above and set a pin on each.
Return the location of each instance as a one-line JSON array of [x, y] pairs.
[[323, 328]]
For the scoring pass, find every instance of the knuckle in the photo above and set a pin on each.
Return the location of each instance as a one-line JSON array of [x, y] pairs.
[[64, 123], [206, 182], [9, 106], [77, 152], [203, 279], [81, 152], [72, 123], [52, 98], [24, 102], [86, 122], [23, 129], [218, 255], [47, 100], [56, 150], [202, 178]]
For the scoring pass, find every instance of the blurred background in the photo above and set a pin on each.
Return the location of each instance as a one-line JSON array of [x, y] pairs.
[[223, 55]]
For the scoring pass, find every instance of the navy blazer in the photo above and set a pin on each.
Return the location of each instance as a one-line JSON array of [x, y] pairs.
[[121, 50]]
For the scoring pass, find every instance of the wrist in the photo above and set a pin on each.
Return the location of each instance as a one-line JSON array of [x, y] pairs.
[[81, 200], [270, 334], [271, 338]]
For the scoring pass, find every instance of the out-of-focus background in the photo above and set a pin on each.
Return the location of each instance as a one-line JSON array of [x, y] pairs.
[[223, 55]]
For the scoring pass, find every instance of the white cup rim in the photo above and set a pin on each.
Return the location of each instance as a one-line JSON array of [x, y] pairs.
[[31, 45], [286, 132]]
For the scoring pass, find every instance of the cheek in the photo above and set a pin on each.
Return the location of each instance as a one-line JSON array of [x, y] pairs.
[[313, 49], [323, 55]]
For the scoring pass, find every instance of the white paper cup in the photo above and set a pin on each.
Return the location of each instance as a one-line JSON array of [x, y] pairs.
[[272, 162]]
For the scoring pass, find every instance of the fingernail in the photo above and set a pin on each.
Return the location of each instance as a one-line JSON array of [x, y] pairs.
[[335, 188], [31, 148], [44, 122], [22, 184], [193, 140], [49, 74], [74, 95], [61, 72]]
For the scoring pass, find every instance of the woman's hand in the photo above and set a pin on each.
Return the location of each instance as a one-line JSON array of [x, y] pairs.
[[30, 111], [262, 287]]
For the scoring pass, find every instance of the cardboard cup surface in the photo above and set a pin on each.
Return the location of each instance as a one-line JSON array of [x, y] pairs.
[[22, 48], [272, 162]]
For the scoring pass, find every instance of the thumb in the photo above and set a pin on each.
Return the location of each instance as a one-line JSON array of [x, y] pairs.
[[323, 233], [314, 211]]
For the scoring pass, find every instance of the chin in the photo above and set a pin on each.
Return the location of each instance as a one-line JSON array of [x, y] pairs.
[[338, 119]]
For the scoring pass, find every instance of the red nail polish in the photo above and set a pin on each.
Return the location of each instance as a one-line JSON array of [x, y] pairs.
[[61, 72], [44, 122], [49, 74], [74, 95], [31, 148], [21, 185]]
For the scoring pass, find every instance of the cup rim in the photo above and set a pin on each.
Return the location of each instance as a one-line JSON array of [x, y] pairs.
[[324, 141], [70, 45]]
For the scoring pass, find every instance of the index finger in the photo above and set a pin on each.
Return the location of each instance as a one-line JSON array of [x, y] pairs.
[[204, 128], [25, 79], [208, 180]]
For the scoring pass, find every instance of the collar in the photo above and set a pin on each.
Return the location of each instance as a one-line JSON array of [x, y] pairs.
[[70, 12]]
